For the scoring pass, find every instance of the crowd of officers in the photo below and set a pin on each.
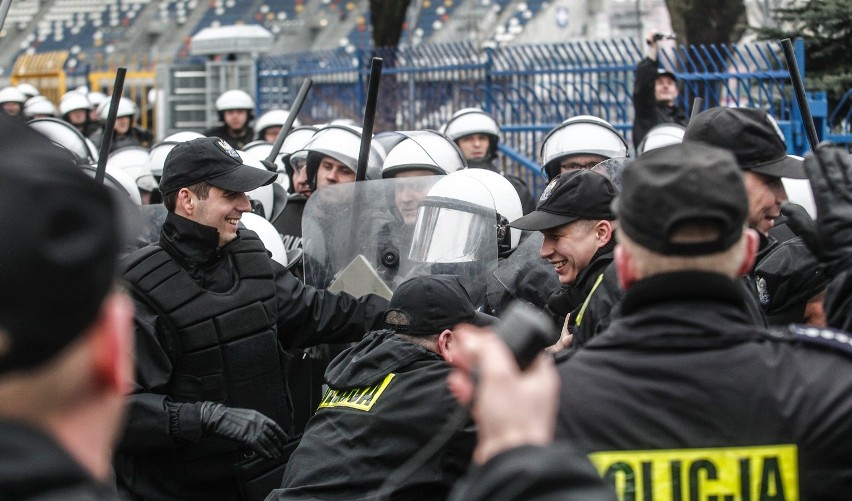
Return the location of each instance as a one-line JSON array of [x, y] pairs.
[[699, 348]]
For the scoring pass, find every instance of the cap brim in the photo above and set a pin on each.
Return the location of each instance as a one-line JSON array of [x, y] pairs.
[[785, 167], [539, 220], [243, 178]]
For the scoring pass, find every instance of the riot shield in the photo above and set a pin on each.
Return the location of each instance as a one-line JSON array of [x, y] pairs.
[[524, 275], [373, 219], [612, 169], [399, 231]]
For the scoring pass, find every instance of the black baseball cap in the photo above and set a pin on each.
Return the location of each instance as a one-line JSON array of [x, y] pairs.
[[58, 258], [787, 278], [214, 161], [426, 305], [573, 195], [752, 135], [662, 72], [677, 184]]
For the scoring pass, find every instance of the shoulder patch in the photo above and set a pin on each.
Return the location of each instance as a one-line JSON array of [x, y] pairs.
[[830, 338]]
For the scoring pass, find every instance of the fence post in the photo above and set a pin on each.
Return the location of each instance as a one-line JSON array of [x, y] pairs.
[[489, 63]]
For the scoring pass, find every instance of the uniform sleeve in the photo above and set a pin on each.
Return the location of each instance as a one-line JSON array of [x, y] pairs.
[[147, 426], [308, 317], [644, 100], [555, 472]]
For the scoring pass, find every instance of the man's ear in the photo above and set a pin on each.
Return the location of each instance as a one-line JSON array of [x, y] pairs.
[[624, 267], [603, 232], [185, 202], [750, 255], [110, 339], [446, 344]]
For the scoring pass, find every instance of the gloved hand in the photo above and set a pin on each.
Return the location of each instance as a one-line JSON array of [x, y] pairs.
[[246, 426], [829, 169]]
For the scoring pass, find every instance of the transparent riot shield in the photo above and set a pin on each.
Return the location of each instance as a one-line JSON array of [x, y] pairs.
[[612, 169], [524, 275], [456, 233], [357, 236]]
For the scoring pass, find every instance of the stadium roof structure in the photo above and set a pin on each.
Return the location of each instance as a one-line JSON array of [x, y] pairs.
[[234, 39]]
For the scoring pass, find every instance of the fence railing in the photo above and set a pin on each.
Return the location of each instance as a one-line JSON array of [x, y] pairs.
[[531, 88]]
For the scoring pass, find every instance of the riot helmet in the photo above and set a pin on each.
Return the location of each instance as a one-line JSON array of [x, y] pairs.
[[67, 136], [661, 135], [159, 152], [263, 198], [469, 121], [507, 203], [580, 135], [73, 101], [261, 150], [271, 118], [9, 98], [126, 108], [133, 160], [799, 191], [29, 90], [423, 150], [39, 107], [268, 235], [339, 142], [235, 99], [118, 180]]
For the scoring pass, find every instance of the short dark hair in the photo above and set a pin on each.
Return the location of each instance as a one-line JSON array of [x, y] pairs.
[[201, 190]]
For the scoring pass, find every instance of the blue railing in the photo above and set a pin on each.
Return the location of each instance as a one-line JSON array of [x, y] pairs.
[[532, 88]]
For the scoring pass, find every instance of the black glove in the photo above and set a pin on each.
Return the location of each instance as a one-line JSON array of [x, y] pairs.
[[830, 171], [245, 426]]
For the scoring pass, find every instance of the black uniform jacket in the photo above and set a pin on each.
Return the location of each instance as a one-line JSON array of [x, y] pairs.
[[556, 472], [647, 111], [683, 395], [34, 467], [572, 298], [388, 399], [236, 142], [306, 317]]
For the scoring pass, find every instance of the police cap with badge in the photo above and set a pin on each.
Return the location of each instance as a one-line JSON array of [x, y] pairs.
[[570, 196], [213, 161]]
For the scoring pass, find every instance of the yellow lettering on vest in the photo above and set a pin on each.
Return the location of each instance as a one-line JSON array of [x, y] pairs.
[[759, 473], [361, 399]]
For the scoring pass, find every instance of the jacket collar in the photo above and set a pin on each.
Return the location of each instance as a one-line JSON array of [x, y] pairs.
[[682, 286], [191, 243]]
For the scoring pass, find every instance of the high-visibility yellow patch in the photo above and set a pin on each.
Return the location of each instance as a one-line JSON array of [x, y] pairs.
[[362, 399], [759, 473]]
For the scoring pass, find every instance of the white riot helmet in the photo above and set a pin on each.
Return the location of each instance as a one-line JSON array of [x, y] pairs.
[[39, 106], [467, 121], [12, 95], [117, 179], [799, 191], [455, 222], [428, 150], [340, 142], [661, 135], [268, 235], [272, 118], [96, 98], [264, 195], [580, 135], [133, 160], [261, 150], [67, 136], [126, 108], [73, 101], [28, 89], [234, 99], [506, 202], [159, 152]]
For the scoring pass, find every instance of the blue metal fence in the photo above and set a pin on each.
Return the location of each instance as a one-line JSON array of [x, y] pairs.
[[532, 88]]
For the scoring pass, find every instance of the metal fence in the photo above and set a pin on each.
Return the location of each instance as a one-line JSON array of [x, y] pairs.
[[532, 88]]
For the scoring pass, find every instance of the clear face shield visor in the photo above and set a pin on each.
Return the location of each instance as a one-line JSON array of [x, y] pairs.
[[450, 231]]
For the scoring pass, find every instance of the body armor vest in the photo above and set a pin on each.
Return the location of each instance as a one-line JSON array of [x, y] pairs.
[[223, 346]]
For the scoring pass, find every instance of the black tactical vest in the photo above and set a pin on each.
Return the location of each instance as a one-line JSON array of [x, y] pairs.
[[223, 346]]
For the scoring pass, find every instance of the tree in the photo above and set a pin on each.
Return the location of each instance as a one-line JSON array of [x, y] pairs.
[[707, 21], [387, 18], [826, 26]]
